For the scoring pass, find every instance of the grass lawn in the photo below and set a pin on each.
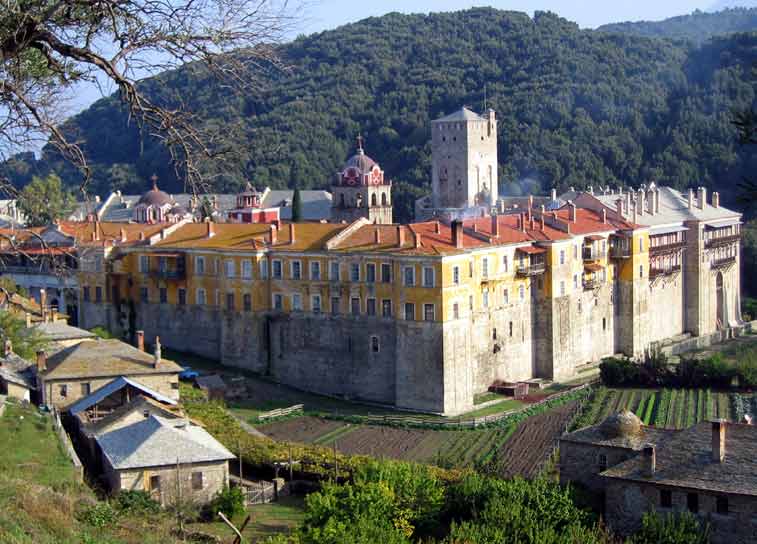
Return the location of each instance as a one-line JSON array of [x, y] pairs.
[[271, 519], [494, 409]]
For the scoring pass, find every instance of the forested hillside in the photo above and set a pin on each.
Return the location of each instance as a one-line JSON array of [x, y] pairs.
[[696, 27], [575, 107]]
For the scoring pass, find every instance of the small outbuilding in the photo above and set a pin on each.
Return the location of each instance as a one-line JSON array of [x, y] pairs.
[[213, 386]]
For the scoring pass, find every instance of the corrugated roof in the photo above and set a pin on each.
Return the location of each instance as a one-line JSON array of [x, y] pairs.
[[110, 388], [104, 358], [158, 441]]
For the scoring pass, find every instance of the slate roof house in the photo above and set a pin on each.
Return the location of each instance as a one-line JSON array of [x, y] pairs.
[[708, 469], [74, 372], [169, 457], [17, 376]]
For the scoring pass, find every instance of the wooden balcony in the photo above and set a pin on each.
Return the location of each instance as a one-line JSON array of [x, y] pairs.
[[724, 262], [591, 283], [666, 248], [722, 241], [669, 271], [620, 252], [529, 270], [593, 254]]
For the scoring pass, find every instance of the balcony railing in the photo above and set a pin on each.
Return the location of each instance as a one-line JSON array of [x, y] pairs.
[[668, 271], [35, 270], [666, 248], [168, 274], [591, 254], [536, 269], [591, 283], [725, 261], [722, 241], [620, 252]]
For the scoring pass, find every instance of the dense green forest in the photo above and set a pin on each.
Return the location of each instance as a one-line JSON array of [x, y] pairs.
[[575, 107], [696, 27]]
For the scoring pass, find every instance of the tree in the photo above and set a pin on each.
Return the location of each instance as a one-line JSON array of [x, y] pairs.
[[46, 47], [296, 206], [44, 200], [25, 342]]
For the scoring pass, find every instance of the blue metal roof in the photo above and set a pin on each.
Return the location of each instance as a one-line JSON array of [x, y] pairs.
[[110, 388]]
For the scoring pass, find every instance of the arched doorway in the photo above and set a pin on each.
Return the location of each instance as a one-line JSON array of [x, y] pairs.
[[721, 320]]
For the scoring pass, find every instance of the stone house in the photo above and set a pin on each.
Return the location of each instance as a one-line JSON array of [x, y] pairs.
[[708, 469], [172, 459], [63, 335], [75, 372], [17, 376]]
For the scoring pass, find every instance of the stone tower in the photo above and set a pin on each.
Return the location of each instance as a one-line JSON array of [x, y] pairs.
[[361, 190], [464, 160]]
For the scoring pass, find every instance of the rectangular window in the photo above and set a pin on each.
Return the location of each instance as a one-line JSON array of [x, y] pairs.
[[692, 502], [355, 306], [218, 298], [485, 268], [575, 281], [278, 302], [485, 298], [201, 298], [510, 329], [230, 302], [562, 256], [296, 270], [428, 312], [162, 264], [182, 297], [335, 305], [315, 270], [455, 311], [470, 302], [504, 263], [506, 296], [144, 294], [98, 294], [144, 264], [370, 273], [562, 288], [470, 269], [334, 271], [63, 391], [154, 483], [247, 270], [575, 251], [721, 505], [386, 273], [264, 269], [196, 481], [354, 272], [666, 498], [199, 265], [216, 266], [409, 311], [247, 302], [296, 302], [428, 276], [276, 270], [85, 389], [163, 294], [370, 306], [85, 293], [386, 308], [374, 344], [641, 271], [522, 292], [641, 245], [315, 304], [409, 276], [456, 275]]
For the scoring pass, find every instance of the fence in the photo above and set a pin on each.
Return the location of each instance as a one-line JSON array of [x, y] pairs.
[[67, 445], [281, 412], [459, 423], [2, 405]]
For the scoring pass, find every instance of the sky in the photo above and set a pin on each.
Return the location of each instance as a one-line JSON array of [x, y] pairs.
[[323, 15]]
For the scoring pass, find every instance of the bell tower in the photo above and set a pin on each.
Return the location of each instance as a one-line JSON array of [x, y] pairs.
[[361, 190]]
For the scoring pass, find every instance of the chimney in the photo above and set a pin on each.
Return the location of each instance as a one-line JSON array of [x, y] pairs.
[[141, 236], [96, 232], [377, 236], [701, 198], [571, 212], [715, 199], [437, 228], [604, 216], [635, 215], [28, 320], [657, 201], [141, 340], [475, 227], [417, 236], [691, 199], [530, 202], [591, 189], [400, 236], [553, 195], [619, 207], [41, 360], [501, 206], [8, 348], [457, 234], [43, 301], [123, 234], [718, 440], [522, 223], [542, 223], [156, 360], [291, 233], [274, 234], [211, 229], [649, 461], [495, 226]]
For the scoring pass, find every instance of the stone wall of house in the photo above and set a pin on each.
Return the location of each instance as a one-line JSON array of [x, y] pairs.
[[215, 476], [14, 391], [666, 308], [166, 384], [581, 463], [626, 503]]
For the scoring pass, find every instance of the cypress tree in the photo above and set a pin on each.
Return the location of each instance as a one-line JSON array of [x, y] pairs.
[[296, 206]]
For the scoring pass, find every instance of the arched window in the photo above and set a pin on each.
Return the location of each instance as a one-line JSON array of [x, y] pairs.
[[383, 199], [374, 202], [341, 200], [359, 201]]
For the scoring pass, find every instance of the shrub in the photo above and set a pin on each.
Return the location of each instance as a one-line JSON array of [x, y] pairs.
[[619, 372], [680, 528], [136, 502], [230, 501], [98, 515]]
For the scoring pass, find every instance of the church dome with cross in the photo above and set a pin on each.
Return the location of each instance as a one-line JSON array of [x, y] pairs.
[[360, 169], [156, 206]]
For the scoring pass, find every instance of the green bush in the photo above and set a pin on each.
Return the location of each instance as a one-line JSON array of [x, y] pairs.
[[680, 528], [619, 372], [102, 332], [136, 502], [230, 501], [98, 515]]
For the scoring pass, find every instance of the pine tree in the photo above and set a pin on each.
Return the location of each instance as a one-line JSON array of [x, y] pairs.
[[296, 206]]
